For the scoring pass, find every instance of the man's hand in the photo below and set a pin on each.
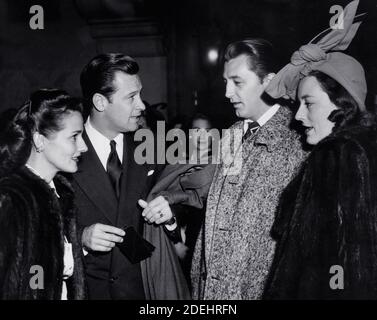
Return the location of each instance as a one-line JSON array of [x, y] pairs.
[[101, 237], [156, 211]]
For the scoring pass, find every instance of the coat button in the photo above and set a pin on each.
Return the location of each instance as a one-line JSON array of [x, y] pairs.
[[113, 279]]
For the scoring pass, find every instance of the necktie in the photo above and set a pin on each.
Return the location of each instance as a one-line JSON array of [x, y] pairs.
[[114, 168], [251, 130]]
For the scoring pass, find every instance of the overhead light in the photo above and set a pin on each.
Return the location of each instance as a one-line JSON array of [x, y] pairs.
[[212, 55]]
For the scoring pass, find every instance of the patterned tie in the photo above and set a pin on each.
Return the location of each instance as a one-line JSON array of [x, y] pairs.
[[253, 127], [114, 168]]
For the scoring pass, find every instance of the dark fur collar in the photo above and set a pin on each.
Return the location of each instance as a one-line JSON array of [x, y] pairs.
[[35, 206]]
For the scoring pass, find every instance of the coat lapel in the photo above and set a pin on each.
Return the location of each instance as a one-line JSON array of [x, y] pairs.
[[94, 181]]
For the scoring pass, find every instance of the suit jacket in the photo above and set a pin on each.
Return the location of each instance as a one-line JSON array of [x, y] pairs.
[[33, 223], [110, 275], [234, 250]]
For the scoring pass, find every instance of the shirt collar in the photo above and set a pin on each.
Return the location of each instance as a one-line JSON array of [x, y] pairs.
[[264, 118], [101, 144], [98, 136], [51, 184]]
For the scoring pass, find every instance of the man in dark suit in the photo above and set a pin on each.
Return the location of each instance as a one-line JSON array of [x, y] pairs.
[[109, 182]]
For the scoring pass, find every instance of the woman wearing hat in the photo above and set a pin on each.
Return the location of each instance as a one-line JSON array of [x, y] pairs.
[[326, 228]]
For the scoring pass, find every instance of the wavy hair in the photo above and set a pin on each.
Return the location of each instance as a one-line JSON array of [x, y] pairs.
[[43, 113]]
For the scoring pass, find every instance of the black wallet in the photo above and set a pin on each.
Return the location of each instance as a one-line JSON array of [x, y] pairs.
[[134, 246]]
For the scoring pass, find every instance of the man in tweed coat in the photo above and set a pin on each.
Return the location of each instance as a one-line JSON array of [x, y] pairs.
[[234, 251]]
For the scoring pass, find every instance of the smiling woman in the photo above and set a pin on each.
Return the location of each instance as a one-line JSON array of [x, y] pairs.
[[57, 125], [37, 215], [63, 148]]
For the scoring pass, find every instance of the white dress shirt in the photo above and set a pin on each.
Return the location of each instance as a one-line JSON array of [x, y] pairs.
[[263, 119], [101, 144]]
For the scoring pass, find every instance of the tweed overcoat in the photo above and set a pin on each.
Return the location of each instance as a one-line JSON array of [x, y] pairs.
[[235, 250]]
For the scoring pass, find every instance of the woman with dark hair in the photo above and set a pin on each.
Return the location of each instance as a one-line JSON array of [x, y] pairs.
[[326, 228], [40, 253], [201, 139]]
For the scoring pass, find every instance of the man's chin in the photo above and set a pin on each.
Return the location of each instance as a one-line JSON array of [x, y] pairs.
[[239, 113], [131, 127]]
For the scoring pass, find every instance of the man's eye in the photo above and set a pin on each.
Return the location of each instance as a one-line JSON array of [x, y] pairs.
[[308, 104]]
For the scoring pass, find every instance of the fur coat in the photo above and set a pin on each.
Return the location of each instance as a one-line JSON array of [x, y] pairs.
[[328, 217], [234, 249], [33, 222]]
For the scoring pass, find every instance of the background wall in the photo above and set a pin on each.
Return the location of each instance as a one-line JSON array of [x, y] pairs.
[[53, 57], [170, 40]]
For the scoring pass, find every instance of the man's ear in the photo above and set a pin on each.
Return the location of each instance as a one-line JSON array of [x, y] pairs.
[[100, 102], [268, 78], [39, 141]]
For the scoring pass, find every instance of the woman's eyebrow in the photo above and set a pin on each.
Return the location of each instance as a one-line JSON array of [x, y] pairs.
[[306, 96]]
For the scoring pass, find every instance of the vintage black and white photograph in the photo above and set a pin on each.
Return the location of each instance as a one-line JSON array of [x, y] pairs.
[[199, 152]]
